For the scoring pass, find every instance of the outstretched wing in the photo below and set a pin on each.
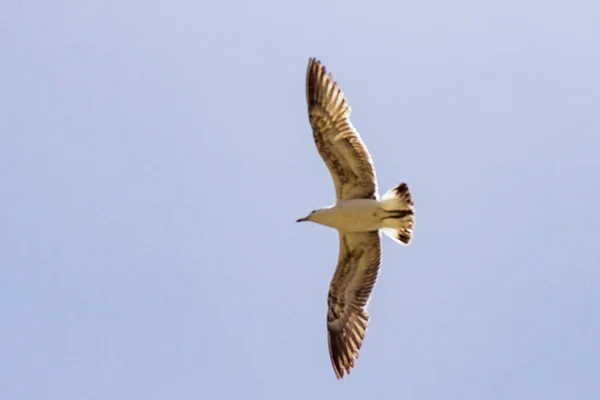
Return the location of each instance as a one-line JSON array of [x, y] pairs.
[[349, 292], [338, 142]]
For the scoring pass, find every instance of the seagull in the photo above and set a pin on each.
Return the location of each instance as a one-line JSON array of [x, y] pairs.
[[359, 215]]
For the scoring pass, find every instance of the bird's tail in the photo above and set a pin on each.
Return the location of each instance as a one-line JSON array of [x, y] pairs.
[[398, 214]]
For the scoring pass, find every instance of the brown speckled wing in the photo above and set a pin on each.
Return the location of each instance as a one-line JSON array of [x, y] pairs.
[[349, 292], [338, 142]]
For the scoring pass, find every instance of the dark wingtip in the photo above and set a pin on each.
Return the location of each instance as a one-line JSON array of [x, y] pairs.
[[314, 75]]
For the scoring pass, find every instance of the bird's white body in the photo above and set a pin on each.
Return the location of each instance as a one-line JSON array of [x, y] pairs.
[[355, 215]]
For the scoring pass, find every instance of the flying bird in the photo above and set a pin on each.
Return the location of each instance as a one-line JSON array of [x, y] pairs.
[[359, 214]]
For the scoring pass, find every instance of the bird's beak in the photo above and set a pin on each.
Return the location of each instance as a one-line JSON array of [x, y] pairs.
[[302, 219]]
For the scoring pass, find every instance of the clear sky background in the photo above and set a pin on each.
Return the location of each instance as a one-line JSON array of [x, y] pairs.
[[155, 155]]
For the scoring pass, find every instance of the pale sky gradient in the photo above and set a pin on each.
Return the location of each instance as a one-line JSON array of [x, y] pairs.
[[155, 155]]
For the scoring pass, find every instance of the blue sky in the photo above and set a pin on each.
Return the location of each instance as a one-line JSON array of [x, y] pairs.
[[155, 155]]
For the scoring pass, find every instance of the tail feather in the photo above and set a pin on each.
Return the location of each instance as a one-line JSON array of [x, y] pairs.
[[399, 214]]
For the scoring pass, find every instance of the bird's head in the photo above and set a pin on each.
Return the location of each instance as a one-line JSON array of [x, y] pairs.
[[321, 216], [308, 217]]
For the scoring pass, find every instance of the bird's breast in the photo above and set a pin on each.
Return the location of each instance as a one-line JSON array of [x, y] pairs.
[[357, 215]]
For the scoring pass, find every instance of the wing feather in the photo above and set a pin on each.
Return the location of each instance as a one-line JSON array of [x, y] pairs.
[[349, 293], [338, 142]]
